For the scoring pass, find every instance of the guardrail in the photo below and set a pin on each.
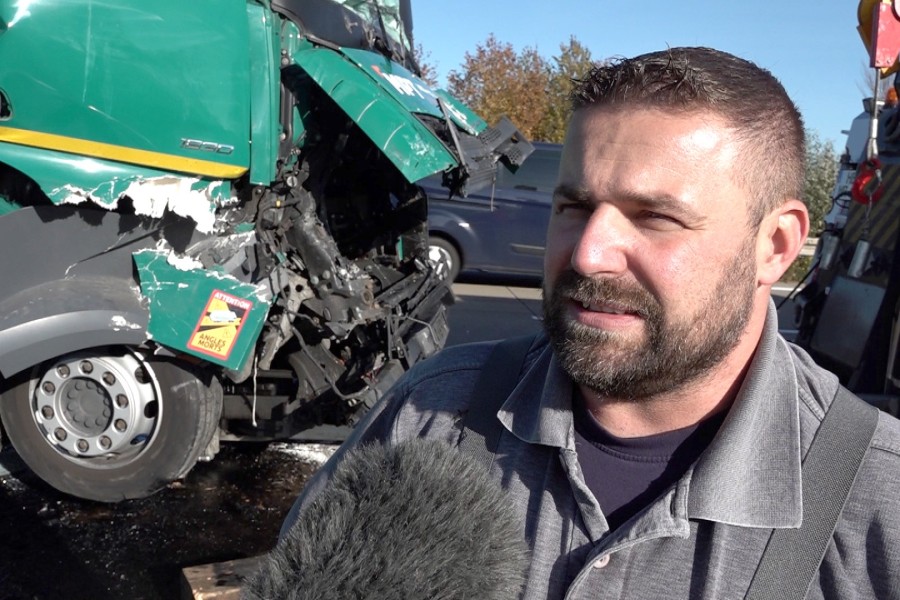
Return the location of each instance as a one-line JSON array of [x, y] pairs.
[[809, 248]]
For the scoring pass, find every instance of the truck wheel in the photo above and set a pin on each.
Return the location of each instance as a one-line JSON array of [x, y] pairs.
[[445, 257], [109, 424]]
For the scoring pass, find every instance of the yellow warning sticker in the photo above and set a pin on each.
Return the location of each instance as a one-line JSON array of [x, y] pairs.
[[219, 325]]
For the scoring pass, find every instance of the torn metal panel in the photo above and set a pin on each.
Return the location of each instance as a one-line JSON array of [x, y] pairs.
[[387, 120], [204, 313], [189, 197]]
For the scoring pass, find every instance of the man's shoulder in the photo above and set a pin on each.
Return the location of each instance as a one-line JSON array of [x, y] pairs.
[[887, 438], [817, 387], [435, 393], [454, 361]]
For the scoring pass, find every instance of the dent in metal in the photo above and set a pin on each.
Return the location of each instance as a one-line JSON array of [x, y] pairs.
[[188, 197]]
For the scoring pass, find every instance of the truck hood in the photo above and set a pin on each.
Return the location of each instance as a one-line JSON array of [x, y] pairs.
[[398, 111]]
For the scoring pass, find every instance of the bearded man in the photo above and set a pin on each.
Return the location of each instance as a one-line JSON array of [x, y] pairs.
[[654, 441]]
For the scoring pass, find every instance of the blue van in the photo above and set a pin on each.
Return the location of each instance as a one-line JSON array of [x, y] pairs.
[[497, 232]]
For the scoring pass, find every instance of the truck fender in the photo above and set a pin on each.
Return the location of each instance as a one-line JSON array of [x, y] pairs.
[[63, 316]]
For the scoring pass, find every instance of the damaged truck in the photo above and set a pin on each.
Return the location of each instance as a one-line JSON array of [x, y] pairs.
[[211, 227]]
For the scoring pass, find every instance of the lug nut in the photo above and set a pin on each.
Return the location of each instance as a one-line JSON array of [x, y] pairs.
[[105, 443], [122, 401], [82, 445], [48, 387], [86, 366], [63, 370], [120, 425], [60, 434], [109, 378], [47, 412]]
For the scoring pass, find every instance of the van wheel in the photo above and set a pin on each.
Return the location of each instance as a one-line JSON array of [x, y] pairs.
[[109, 424], [445, 257]]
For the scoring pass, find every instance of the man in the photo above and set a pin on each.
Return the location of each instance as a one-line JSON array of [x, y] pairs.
[[655, 437]]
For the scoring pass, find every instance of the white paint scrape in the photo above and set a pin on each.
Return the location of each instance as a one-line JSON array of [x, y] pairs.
[[183, 263], [119, 322], [70, 194], [153, 196], [315, 454]]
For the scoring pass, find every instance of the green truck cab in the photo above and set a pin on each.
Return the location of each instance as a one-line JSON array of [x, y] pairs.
[[211, 226]]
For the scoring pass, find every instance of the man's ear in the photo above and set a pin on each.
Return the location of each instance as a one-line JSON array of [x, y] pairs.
[[782, 234]]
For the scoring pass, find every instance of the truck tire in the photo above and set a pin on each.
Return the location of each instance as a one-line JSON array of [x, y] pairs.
[[109, 424], [445, 257]]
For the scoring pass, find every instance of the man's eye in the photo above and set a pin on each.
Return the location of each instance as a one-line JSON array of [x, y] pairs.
[[659, 219]]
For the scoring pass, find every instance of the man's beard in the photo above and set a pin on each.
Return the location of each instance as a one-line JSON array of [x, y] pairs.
[[670, 355]]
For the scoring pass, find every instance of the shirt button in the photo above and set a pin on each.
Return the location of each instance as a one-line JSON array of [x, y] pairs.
[[601, 562]]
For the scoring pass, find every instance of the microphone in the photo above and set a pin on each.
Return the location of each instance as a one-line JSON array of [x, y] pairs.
[[419, 521]]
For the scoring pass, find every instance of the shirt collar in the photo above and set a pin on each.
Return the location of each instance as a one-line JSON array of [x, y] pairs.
[[749, 475], [539, 409]]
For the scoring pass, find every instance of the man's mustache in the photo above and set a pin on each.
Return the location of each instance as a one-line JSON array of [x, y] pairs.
[[628, 296]]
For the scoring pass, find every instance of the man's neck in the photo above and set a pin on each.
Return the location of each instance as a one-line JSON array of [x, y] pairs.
[[659, 414]]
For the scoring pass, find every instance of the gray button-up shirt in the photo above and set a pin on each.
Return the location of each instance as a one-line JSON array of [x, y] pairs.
[[703, 538]]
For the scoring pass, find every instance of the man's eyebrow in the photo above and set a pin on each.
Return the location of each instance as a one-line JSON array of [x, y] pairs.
[[573, 194], [662, 203]]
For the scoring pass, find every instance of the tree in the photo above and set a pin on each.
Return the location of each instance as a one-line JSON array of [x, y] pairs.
[[572, 63], [496, 81], [821, 172], [427, 72]]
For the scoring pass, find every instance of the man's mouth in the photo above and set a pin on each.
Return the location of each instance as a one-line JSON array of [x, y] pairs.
[[607, 308]]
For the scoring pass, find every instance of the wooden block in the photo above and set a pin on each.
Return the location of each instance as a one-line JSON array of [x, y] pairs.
[[217, 581]]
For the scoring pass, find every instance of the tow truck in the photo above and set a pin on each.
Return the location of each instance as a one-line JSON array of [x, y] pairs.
[[849, 309]]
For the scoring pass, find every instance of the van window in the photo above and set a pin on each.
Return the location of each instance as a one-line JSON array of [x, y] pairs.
[[538, 172]]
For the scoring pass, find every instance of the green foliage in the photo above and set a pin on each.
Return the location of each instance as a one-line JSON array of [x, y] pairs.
[[572, 63], [821, 172]]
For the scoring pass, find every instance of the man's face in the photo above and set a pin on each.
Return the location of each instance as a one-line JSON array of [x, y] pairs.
[[650, 269]]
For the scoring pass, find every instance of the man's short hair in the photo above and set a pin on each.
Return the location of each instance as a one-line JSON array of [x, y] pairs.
[[767, 123]]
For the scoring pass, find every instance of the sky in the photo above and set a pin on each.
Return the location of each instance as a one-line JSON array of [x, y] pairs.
[[812, 47]]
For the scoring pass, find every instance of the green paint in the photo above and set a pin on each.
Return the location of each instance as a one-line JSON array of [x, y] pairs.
[[476, 123], [178, 300], [410, 91], [264, 94], [413, 148], [8, 206], [67, 178], [142, 75]]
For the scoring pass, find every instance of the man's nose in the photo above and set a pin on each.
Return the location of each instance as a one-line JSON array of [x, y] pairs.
[[602, 247]]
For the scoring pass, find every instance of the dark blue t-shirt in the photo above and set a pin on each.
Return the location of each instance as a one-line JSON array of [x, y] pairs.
[[627, 474]]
